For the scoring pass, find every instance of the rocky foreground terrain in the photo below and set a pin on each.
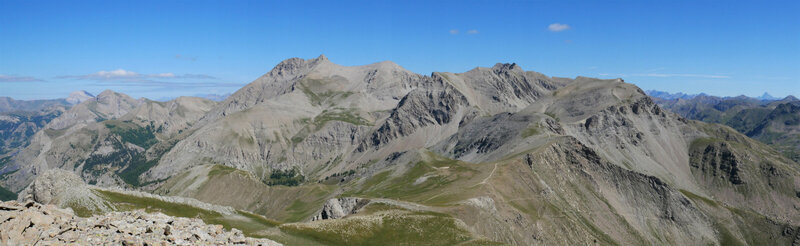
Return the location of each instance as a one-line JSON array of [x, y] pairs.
[[31, 223]]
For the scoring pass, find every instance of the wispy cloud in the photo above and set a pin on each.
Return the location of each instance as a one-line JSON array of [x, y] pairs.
[[198, 76], [166, 81], [557, 27], [183, 57], [668, 75], [167, 84], [125, 75], [473, 31], [453, 31], [12, 78], [655, 69]]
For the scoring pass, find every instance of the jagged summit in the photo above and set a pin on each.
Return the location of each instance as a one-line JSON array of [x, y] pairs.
[[297, 65], [506, 66]]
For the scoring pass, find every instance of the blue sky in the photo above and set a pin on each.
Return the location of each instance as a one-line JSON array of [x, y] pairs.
[[159, 49]]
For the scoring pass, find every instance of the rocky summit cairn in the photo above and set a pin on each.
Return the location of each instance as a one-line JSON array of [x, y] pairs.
[[32, 223]]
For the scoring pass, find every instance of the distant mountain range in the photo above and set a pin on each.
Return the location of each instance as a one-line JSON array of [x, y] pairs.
[[316, 153], [768, 119], [681, 95]]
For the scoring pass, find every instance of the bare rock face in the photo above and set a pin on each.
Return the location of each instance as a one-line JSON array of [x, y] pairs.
[[53, 185], [717, 160], [340, 207], [31, 223]]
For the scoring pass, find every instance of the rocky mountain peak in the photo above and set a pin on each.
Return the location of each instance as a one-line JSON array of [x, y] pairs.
[[80, 96], [112, 97], [387, 66], [768, 97], [108, 93], [506, 67], [107, 105], [296, 65]]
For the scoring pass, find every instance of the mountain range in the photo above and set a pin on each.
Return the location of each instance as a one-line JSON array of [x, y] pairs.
[[313, 152], [681, 95], [772, 121]]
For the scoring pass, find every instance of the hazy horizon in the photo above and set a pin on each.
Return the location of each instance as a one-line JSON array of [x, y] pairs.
[[165, 98], [157, 49]]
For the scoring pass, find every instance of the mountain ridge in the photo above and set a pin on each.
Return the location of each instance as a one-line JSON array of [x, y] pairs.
[[493, 154]]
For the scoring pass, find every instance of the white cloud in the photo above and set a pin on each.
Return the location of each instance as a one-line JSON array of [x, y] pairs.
[[557, 27], [164, 75], [124, 75], [197, 76], [473, 31], [119, 73], [12, 78], [454, 31]]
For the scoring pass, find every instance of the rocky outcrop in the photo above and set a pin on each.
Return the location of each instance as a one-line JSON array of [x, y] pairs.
[[340, 207], [717, 161], [63, 189], [32, 223]]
